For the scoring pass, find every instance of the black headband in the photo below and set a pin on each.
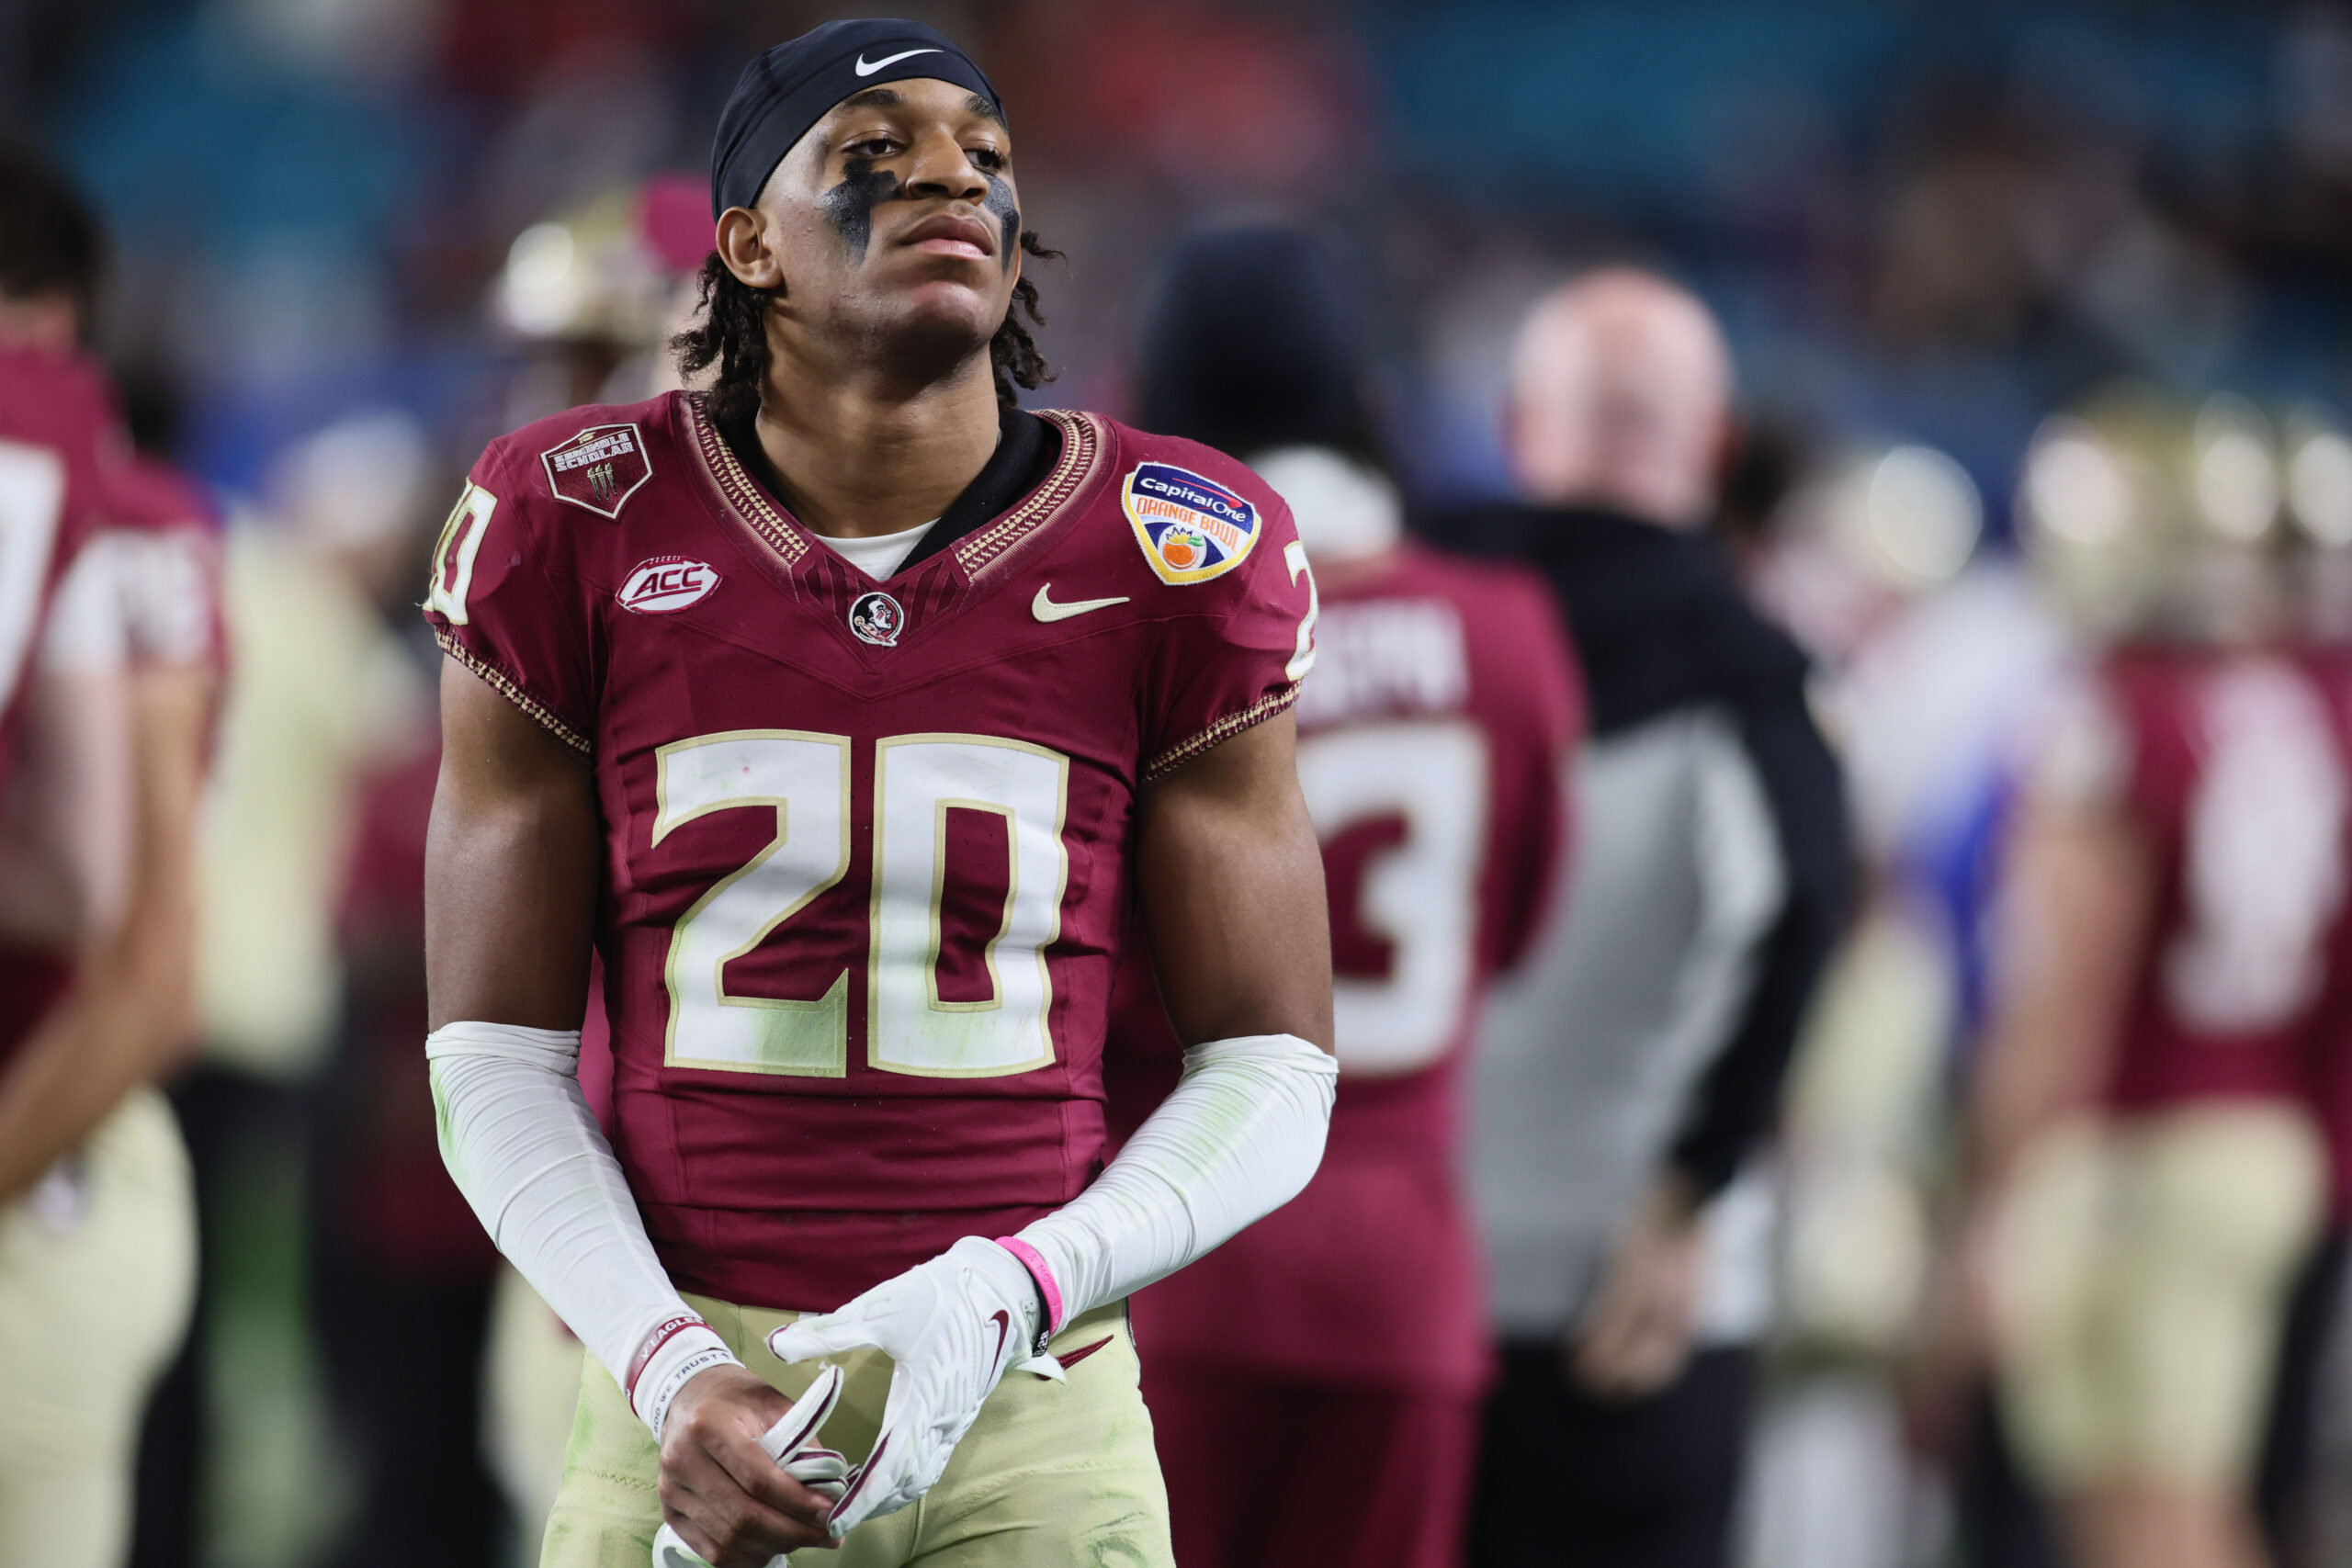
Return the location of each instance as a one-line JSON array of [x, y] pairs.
[[792, 86]]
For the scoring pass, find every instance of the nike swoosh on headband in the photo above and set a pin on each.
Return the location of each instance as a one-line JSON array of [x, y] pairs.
[[865, 69]]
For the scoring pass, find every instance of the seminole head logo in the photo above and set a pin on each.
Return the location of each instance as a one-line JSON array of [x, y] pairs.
[[1191, 527], [877, 618]]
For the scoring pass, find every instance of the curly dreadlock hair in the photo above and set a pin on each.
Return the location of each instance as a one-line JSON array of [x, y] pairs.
[[732, 334]]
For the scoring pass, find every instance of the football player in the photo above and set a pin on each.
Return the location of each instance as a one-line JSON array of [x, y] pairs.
[[845, 708], [107, 660], [2146, 1174], [1342, 1427]]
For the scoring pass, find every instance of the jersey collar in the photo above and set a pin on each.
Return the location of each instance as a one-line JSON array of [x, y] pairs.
[[1042, 461]]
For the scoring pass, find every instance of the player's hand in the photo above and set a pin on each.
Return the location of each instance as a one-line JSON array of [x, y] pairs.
[[1636, 1337], [741, 1479], [952, 1327]]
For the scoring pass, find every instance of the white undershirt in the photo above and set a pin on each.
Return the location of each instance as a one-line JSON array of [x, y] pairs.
[[878, 555]]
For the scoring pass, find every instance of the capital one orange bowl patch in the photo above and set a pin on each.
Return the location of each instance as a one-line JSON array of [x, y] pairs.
[[1192, 529]]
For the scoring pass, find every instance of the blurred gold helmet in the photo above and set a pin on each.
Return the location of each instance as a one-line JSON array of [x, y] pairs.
[[2316, 458], [1869, 529], [2145, 516], [606, 270], [594, 293]]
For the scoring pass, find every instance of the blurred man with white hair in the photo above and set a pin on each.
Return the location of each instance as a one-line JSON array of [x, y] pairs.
[[1626, 1079]]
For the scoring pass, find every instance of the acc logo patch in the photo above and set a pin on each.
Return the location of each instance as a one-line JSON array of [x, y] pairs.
[[1190, 529], [599, 469], [665, 585], [877, 618]]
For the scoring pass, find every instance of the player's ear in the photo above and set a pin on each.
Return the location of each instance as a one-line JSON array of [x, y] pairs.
[[743, 240]]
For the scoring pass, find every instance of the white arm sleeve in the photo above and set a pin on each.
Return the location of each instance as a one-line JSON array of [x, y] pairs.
[[523, 1146], [1239, 1137]]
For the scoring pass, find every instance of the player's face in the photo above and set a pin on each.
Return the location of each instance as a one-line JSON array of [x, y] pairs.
[[896, 215]]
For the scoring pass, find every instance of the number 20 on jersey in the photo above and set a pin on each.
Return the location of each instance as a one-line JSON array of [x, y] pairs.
[[804, 779]]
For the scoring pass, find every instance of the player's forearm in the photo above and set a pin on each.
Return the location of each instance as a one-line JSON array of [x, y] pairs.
[[93, 1048], [1240, 1137], [1232, 889], [523, 1146], [2081, 899], [125, 1021], [130, 1017]]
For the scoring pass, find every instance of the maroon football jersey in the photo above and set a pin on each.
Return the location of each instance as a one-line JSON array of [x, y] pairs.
[[55, 420], [867, 858], [2234, 765], [168, 535], [1431, 742]]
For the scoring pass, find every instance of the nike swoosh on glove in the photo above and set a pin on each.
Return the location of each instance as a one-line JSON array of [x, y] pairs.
[[952, 1327], [792, 1443]]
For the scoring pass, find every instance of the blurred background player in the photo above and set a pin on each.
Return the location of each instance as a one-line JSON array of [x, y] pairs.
[[107, 662], [1626, 1078], [2146, 1176], [320, 692], [1340, 1427], [1929, 647]]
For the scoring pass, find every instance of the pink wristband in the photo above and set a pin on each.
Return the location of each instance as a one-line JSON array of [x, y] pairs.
[[1035, 1262]]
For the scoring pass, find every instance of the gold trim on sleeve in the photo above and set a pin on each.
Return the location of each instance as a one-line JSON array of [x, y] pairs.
[[1223, 729], [505, 686]]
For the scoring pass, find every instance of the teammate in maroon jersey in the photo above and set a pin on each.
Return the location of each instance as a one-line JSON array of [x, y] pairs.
[[1341, 1427], [2148, 1175], [847, 710], [106, 669]]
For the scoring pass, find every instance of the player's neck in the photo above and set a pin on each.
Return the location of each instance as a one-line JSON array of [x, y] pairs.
[[856, 459]]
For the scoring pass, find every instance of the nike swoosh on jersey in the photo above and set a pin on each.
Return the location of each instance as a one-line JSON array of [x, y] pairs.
[[865, 69], [1045, 609]]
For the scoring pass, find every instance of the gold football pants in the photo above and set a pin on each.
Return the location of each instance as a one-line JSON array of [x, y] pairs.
[[97, 1275], [1051, 1472], [2141, 1285]]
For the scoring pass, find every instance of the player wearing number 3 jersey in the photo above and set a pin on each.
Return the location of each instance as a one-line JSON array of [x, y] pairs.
[[1315, 1382], [848, 711]]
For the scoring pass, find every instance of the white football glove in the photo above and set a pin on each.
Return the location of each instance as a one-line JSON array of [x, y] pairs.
[[792, 1443], [953, 1327]]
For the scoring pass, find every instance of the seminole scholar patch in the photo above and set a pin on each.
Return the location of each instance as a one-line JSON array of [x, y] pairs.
[[1190, 529], [599, 469]]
